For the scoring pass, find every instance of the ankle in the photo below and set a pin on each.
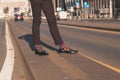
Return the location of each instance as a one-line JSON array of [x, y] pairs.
[[38, 48], [63, 46], [60, 45]]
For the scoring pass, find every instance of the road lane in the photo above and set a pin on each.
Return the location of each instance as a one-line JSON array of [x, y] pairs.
[[2, 43], [7, 68], [92, 43]]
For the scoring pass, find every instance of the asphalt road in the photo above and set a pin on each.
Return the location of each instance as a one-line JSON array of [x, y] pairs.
[[98, 55], [5, 64], [103, 46], [2, 43]]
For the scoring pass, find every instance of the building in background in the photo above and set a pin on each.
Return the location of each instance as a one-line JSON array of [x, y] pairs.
[[78, 9], [91, 9], [9, 7]]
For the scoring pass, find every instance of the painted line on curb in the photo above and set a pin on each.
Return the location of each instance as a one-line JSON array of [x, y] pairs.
[[7, 69]]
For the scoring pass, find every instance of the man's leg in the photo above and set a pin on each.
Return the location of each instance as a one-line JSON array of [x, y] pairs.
[[36, 9], [49, 13]]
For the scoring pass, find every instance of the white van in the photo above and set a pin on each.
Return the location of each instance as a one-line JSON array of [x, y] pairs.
[[63, 15]]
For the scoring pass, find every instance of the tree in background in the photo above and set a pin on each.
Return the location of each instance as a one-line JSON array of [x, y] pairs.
[[6, 10]]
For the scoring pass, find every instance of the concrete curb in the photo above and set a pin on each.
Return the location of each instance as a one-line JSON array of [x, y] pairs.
[[93, 27], [87, 26], [27, 71]]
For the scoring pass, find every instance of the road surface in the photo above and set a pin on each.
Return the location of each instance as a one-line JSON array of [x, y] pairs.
[[98, 57]]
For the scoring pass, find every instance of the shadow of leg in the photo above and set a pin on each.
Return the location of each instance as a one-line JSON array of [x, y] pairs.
[[29, 39]]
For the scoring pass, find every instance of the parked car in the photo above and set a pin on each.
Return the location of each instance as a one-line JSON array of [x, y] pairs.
[[19, 17]]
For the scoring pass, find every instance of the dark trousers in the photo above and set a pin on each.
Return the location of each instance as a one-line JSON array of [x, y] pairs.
[[47, 7]]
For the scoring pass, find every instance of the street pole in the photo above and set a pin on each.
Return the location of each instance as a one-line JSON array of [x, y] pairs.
[[58, 4], [54, 3], [82, 3], [82, 8], [111, 9]]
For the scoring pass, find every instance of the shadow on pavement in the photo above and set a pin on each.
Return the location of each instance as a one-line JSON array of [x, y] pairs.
[[29, 38]]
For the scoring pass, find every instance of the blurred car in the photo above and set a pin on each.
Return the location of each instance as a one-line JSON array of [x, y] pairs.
[[19, 17], [62, 15]]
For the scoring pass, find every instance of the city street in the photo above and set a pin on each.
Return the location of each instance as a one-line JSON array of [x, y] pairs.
[[98, 57], [91, 27]]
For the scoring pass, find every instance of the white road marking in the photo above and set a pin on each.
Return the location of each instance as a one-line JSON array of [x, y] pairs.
[[7, 69]]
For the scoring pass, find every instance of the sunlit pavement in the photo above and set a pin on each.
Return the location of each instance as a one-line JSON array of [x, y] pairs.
[[92, 44]]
